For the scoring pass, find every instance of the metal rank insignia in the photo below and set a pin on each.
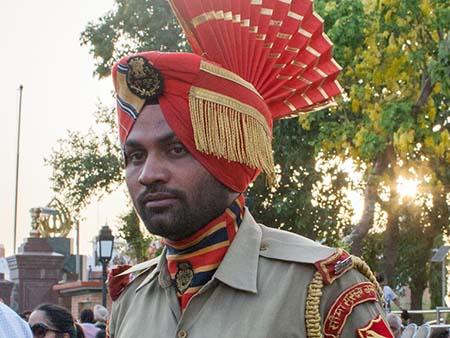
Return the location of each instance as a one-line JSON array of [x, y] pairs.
[[343, 264], [334, 266], [184, 276], [144, 80]]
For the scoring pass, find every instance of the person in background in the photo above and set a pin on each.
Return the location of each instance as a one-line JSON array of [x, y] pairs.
[[25, 315], [54, 321], [11, 325], [100, 316], [389, 294], [101, 334], [87, 323], [406, 318], [395, 323], [440, 333]]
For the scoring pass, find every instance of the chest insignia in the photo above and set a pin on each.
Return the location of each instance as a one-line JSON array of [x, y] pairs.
[[184, 276]]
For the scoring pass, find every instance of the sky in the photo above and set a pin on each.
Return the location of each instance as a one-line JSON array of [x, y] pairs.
[[40, 49]]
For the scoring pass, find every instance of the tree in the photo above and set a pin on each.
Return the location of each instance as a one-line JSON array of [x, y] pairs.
[[394, 118], [310, 198], [87, 165], [131, 27]]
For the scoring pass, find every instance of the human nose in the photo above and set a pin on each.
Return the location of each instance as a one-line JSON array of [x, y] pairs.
[[153, 170]]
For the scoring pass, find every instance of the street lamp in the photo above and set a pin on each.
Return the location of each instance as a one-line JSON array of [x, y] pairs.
[[105, 243]]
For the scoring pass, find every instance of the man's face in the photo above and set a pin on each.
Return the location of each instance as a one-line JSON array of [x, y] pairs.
[[172, 192]]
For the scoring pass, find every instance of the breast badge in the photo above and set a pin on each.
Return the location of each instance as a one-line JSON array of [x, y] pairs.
[[184, 276]]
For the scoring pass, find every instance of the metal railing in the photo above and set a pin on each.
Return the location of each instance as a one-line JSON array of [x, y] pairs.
[[438, 311]]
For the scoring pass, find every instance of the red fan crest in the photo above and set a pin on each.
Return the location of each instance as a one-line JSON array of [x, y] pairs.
[[277, 45]]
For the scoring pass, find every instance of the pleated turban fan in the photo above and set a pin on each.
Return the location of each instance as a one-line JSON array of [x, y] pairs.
[[253, 61]]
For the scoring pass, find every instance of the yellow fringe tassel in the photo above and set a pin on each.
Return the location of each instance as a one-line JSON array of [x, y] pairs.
[[227, 128]]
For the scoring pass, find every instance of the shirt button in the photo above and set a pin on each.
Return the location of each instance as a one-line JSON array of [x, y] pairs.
[[264, 245], [182, 334]]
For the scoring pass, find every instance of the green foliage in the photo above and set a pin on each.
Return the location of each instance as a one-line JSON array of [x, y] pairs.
[[372, 250], [130, 231], [87, 165], [309, 201], [133, 25], [440, 67]]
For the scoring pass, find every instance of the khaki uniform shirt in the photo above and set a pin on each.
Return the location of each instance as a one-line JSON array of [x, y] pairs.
[[258, 291]]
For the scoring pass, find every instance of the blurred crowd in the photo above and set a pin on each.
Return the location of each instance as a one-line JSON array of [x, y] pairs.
[[53, 321], [402, 327]]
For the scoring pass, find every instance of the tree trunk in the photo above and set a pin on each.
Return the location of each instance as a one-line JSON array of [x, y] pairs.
[[370, 198], [417, 286], [391, 239], [438, 218]]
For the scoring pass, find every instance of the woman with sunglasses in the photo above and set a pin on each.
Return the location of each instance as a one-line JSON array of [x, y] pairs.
[[53, 321]]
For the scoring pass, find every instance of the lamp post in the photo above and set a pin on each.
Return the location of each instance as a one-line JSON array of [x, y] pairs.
[[105, 243]]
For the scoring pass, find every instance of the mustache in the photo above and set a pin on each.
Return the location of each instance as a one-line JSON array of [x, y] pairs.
[[159, 188]]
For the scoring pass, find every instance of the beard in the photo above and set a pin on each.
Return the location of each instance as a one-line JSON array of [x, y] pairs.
[[189, 212]]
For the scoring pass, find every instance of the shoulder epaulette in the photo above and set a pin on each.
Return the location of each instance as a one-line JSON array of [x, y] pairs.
[[141, 267], [334, 266], [287, 246], [328, 270], [120, 277]]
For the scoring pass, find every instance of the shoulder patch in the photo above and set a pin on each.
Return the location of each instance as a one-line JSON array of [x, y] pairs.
[[334, 266], [343, 306], [286, 246], [376, 328], [141, 267]]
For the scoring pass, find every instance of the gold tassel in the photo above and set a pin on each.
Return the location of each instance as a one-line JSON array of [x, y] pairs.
[[227, 128]]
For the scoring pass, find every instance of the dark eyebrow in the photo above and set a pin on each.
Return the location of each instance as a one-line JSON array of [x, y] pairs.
[[170, 136]]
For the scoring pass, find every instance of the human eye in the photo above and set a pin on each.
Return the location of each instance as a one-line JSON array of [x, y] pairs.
[[134, 157], [177, 149]]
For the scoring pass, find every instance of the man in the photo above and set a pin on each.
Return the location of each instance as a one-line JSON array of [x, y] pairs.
[[195, 134], [389, 295], [87, 322], [395, 324], [11, 325]]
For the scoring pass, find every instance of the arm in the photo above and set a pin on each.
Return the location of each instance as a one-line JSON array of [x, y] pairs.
[[351, 308]]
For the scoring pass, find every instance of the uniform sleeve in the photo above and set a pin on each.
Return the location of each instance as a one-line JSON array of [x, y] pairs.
[[111, 327], [350, 308]]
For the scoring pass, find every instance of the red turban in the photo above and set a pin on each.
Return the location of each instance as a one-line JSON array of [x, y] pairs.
[[222, 105]]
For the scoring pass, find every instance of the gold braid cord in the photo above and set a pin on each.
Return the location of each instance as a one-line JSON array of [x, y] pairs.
[[230, 129], [364, 269], [312, 311]]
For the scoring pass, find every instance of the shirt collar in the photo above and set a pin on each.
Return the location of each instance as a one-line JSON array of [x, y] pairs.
[[239, 267], [163, 278]]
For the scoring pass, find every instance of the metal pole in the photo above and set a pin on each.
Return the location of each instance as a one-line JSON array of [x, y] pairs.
[[17, 167], [104, 283], [77, 266], [443, 281]]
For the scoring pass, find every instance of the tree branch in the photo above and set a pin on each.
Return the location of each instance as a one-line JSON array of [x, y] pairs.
[[423, 97], [370, 197]]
